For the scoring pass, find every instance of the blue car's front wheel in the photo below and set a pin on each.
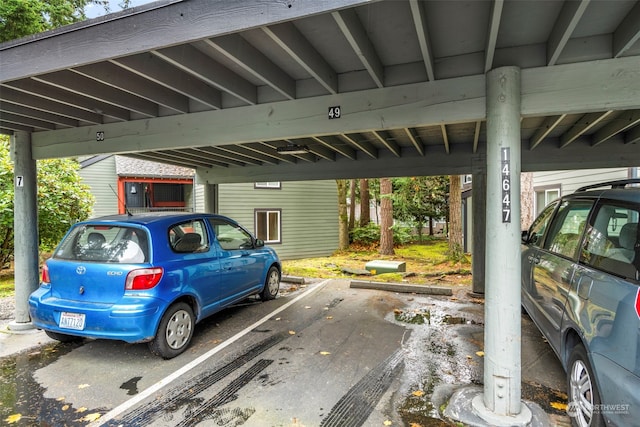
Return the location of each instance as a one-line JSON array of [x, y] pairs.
[[174, 332], [271, 285]]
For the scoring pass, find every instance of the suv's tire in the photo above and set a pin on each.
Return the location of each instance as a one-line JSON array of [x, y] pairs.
[[584, 398], [174, 332], [271, 284], [62, 337]]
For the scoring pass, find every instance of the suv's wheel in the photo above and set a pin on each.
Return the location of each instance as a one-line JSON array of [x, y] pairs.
[[271, 284], [174, 332], [584, 398], [62, 337]]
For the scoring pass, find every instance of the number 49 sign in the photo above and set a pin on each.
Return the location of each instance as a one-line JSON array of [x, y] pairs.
[[506, 184]]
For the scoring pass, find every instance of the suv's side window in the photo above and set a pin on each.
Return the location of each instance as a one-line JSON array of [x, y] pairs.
[[612, 239], [540, 225], [565, 232]]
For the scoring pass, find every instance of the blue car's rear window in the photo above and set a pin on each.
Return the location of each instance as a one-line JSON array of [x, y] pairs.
[[105, 243]]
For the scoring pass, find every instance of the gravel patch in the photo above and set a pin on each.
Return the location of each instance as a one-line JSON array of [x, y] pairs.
[[7, 309]]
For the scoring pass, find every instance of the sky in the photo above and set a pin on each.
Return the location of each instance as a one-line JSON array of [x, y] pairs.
[[93, 11]]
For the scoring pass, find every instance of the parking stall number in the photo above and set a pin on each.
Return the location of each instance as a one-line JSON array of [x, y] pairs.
[[506, 184]]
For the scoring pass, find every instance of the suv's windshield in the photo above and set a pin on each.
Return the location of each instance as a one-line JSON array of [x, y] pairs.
[[105, 243]]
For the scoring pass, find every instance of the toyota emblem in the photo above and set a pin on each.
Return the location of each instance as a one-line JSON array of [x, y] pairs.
[[81, 269]]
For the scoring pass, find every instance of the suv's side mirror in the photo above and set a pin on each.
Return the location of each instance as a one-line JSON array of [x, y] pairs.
[[525, 236], [259, 243]]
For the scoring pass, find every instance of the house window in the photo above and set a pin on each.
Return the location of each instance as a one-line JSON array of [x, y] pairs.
[[268, 225], [544, 196], [268, 184], [467, 179]]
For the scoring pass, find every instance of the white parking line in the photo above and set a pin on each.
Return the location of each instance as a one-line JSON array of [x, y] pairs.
[[125, 406]]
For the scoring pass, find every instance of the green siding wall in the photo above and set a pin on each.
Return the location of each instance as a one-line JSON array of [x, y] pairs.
[[309, 214], [102, 179]]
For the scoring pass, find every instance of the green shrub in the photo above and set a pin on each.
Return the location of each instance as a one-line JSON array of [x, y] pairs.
[[370, 234]]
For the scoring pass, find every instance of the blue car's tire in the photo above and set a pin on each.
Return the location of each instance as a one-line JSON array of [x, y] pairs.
[[584, 398], [271, 284], [174, 332]]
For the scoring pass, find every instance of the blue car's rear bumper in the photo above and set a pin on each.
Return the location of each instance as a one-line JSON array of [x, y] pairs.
[[133, 319]]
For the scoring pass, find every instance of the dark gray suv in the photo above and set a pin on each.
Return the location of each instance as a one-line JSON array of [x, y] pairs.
[[581, 287]]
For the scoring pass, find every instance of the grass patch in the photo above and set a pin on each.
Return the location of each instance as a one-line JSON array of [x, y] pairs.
[[7, 286], [426, 262]]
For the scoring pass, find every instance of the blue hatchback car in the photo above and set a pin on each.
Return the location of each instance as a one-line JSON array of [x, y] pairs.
[[150, 278], [581, 287]]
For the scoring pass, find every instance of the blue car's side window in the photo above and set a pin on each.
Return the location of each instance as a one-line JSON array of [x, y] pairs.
[[231, 237], [189, 237]]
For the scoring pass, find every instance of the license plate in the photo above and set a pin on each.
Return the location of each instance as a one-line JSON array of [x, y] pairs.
[[72, 321]]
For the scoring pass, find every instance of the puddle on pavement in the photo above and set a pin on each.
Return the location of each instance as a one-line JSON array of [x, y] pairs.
[[440, 354], [22, 400], [421, 317]]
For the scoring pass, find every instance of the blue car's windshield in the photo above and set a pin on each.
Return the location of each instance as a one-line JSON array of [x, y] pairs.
[[105, 243]]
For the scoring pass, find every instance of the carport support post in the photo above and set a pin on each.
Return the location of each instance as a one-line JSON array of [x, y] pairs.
[[479, 212], [25, 227], [501, 404]]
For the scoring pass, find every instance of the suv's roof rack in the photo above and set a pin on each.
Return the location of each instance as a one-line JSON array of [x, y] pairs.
[[621, 183]]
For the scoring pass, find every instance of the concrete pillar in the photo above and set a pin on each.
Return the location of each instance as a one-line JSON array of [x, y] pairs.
[[478, 195], [25, 227], [500, 404]]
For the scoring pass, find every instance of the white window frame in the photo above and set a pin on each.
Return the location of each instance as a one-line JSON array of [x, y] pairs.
[[273, 185], [269, 212]]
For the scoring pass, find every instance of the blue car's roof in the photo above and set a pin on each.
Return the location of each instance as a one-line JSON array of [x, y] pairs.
[[155, 218]]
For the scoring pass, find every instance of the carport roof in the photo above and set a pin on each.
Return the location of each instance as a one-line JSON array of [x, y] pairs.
[[219, 85]]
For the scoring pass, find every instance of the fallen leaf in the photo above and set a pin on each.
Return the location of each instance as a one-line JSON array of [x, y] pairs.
[[292, 332], [65, 407], [559, 405], [388, 423], [81, 410], [329, 317], [469, 357], [480, 353], [397, 311], [418, 393], [307, 307], [324, 353], [13, 418], [415, 425], [278, 318], [90, 417], [84, 386]]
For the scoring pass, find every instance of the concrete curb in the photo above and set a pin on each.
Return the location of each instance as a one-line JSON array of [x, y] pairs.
[[402, 287]]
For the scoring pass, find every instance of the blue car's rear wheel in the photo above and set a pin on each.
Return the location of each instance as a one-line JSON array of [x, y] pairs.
[[174, 332], [584, 398], [271, 285]]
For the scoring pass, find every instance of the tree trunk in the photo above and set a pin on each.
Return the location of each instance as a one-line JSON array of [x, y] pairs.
[[352, 205], [455, 217], [386, 217], [365, 213], [343, 220], [527, 197]]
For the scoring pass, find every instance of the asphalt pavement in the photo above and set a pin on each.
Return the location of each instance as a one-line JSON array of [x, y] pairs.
[[331, 355]]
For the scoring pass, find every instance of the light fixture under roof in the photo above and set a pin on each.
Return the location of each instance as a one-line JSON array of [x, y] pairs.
[[293, 149]]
